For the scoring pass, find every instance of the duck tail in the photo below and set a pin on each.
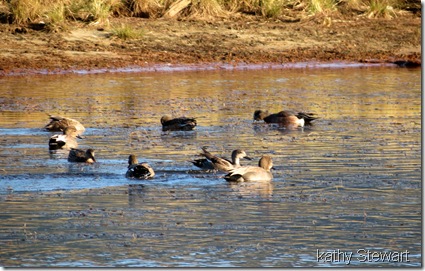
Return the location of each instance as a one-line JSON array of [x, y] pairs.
[[207, 154], [307, 117]]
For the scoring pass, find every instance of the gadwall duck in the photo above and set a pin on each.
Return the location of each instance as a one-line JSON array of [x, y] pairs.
[[223, 164], [58, 124], [81, 156], [177, 124], [67, 140], [138, 170], [251, 173], [285, 118]]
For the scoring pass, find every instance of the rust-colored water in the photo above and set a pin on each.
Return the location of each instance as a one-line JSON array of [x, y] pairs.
[[350, 182]]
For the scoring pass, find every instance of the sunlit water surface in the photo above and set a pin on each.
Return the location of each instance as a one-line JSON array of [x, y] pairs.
[[349, 184]]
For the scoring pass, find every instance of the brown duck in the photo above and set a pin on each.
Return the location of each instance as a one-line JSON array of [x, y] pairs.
[[58, 124], [81, 156], [177, 124], [285, 118], [251, 173], [223, 164]]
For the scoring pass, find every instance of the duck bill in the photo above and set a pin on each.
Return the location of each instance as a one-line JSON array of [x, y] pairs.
[[248, 158]]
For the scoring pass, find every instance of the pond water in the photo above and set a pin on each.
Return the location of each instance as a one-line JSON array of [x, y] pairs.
[[348, 185]]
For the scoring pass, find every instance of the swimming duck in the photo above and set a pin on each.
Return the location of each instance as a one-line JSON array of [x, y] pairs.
[[177, 124], [58, 124], [223, 164], [251, 173], [203, 163], [285, 118], [138, 170], [81, 156], [66, 141]]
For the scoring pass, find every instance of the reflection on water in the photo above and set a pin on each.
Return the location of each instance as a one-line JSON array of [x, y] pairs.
[[350, 182]]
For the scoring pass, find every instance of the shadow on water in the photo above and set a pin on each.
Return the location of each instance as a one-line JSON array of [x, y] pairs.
[[349, 183]]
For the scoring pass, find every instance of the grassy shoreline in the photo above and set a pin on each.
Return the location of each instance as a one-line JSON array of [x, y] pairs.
[[56, 13]]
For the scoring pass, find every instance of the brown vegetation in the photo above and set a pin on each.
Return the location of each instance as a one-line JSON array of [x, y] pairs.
[[91, 34]]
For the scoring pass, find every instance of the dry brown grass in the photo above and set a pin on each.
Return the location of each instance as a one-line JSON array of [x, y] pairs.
[[381, 8], [26, 11], [146, 8], [266, 8], [57, 12], [205, 9]]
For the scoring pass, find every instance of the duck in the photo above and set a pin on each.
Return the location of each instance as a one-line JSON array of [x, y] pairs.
[[58, 124], [285, 118], [261, 173], [138, 170], [65, 141], [203, 163], [81, 156], [177, 124], [223, 164]]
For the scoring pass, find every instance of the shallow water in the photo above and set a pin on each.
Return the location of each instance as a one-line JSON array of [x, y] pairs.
[[350, 183]]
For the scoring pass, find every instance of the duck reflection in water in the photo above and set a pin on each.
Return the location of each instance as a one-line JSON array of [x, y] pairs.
[[135, 192], [252, 189]]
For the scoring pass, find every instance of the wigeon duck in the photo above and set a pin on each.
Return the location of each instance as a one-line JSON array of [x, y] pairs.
[[138, 170], [285, 118]]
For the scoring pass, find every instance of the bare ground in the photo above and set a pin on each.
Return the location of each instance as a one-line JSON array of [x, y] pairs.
[[246, 39]]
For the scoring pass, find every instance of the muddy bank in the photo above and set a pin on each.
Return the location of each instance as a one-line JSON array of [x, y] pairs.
[[247, 39]]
